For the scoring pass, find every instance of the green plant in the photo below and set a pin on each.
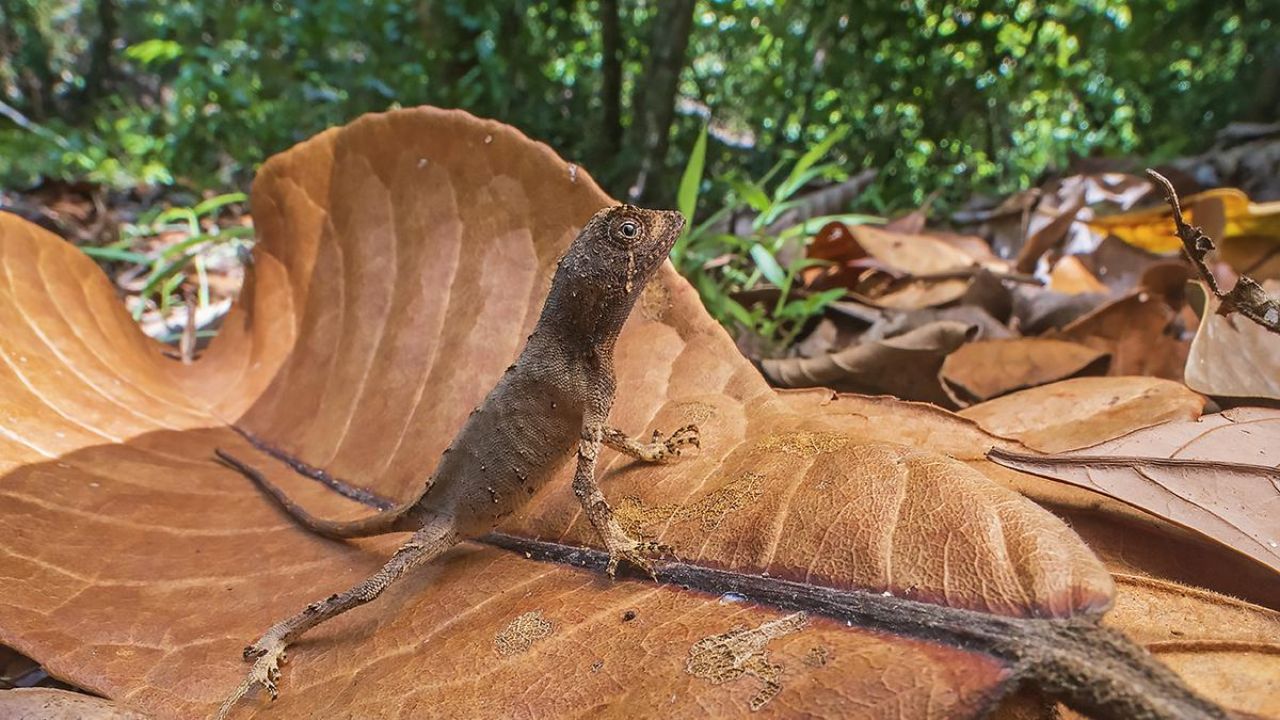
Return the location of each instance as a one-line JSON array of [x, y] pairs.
[[166, 269], [721, 264]]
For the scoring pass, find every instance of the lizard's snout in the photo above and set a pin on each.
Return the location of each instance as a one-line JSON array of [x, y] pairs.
[[672, 223]]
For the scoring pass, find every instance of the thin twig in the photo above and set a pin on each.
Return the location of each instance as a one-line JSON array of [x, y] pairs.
[[1247, 297]]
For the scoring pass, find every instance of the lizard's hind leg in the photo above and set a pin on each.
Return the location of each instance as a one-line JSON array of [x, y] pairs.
[[269, 651]]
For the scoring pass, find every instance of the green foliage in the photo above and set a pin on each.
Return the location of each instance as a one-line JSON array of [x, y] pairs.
[[966, 96], [167, 269], [721, 264], [958, 95], [687, 195]]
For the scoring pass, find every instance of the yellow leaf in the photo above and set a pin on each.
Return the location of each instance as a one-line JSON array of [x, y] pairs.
[[1224, 213]]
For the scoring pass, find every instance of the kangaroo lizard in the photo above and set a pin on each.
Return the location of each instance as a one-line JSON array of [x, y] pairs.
[[555, 398]]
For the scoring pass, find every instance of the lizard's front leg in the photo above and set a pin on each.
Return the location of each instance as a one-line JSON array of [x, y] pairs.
[[620, 545], [657, 450], [269, 651]]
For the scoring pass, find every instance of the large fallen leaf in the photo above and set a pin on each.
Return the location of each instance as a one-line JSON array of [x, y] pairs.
[[1220, 475], [983, 370], [1218, 641], [1129, 540], [1225, 646], [1233, 356], [401, 261], [1085, 411], [47, 704]]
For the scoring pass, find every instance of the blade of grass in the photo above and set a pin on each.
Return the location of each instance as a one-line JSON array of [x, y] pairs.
[[215, 203], [795, 178], [110, 253], [167, 291], [687, 195], [163, 274], [768, 265]]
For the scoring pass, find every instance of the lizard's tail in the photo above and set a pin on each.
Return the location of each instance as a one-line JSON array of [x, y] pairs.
[[388, 521]]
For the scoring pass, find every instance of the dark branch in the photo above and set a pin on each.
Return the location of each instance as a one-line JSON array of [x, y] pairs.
[[342, 487], [1247, 297], [1092, 669]]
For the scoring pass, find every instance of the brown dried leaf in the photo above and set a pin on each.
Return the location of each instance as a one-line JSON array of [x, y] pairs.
[[1233, 356], [893, 324], [913, 294], [974, 246], [1138, 331], [1119, 265], [910, 260], [1210, 481], [402, 259], [982, 370], [905, 366], [1071, 277], [1036, 310], [1223, 644], [1130, 541], [47, 704], [1048, 226], [1080, 412]]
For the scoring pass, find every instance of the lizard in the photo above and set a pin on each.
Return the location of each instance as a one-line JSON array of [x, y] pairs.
[[554, 400]]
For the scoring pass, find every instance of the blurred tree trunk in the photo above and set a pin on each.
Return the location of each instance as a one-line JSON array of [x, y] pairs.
[[654, 101], [453, 49], [28, 53], [100, 70], [1266, 104], [611, 77]]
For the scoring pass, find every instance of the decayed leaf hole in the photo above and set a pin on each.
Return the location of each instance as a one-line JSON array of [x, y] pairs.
[[741, 651], [803, 443], [695, 412], [520, 634], [710, 511], [817, 656]]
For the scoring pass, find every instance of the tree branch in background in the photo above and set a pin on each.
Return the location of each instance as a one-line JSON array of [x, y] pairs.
[[1247, 297], [611, 77], [22, 121], [656, 94]]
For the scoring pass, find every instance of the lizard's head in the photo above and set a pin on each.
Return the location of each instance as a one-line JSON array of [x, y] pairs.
[[631, 242], [607, 266]]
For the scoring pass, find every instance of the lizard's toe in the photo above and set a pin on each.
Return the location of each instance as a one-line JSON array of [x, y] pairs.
[[266, 656], [687, 435], [639, 554]]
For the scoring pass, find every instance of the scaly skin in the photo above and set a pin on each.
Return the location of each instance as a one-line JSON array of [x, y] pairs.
[[553, 401]]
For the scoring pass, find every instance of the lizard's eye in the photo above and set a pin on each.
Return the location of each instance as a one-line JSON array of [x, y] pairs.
[[629, 229]]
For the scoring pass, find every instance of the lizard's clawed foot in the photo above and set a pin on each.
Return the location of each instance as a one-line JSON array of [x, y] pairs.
[[266, 656], [687, 435], [637, 553]]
